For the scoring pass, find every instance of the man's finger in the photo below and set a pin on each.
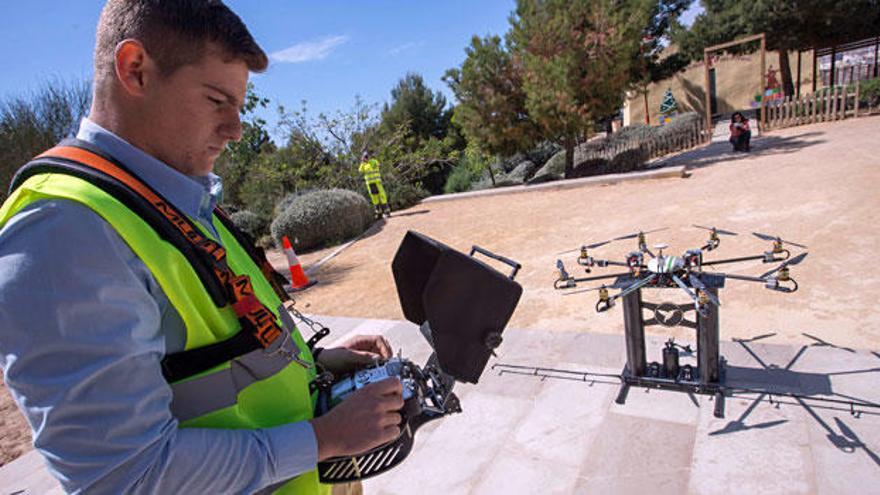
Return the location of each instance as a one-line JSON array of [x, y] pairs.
[[383, 347]]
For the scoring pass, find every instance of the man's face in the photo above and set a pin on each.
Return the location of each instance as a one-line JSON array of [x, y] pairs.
[[194, 112]]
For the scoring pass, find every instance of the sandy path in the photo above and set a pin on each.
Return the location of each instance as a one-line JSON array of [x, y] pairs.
[[816, 185]]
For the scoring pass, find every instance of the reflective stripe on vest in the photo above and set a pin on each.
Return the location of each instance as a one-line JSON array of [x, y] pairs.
[[263, 396]]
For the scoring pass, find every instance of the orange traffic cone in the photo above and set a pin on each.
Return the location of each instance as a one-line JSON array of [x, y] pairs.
[[298, 279]]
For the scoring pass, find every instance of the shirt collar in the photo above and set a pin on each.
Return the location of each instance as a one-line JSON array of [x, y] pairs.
[[195, 196]]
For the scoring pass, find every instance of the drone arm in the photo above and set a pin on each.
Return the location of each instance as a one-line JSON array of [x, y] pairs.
[[741, 277], [679, 282], [600, 277], [734, 260], [634, 287], [612, 263]]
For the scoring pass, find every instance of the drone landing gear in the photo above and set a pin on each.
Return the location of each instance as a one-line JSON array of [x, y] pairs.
[[705, 378]]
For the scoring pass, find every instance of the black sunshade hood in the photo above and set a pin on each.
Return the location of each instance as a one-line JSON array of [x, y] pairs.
[[466, 302]]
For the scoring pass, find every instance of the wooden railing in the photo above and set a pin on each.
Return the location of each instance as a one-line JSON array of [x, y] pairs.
[[693, 136], [830, 104]]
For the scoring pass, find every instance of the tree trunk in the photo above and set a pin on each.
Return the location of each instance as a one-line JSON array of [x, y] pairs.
[[569, 156], [491, 174], [785, 71]]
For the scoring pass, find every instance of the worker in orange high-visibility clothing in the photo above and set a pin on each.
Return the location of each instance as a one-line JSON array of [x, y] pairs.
[[373, 178]]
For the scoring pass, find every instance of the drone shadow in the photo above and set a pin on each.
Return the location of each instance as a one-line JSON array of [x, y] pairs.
[[720, 152], [770, 383], [797, 388]]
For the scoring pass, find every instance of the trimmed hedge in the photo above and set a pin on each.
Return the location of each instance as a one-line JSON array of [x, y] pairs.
[[322, 218], [249, 222]]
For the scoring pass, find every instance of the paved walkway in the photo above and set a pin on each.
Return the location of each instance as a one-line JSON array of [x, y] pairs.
[[528, 434]]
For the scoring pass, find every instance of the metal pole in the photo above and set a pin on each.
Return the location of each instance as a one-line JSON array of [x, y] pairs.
[[708, 343], [798, 90], [709, 128], [763, 122], [634, 328]]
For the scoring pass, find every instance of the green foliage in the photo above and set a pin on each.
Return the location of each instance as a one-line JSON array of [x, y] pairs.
[[788, 25], [577, 61], [250, 222], [321, 218], [491, 108], [459, 179], [869, 92], [403, 194], [32, 124], [237, 160], [417, 108]]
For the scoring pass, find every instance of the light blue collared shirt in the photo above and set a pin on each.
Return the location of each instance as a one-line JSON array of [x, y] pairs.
[[83, 328]]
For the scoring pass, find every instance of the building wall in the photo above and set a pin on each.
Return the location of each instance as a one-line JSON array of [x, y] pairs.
[[736, 84]]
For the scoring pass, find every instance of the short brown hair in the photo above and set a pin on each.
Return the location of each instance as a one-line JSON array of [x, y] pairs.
[[174, 33]]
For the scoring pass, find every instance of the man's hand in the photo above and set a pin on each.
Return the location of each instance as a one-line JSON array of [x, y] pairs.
[[366, 419], [354, 353]]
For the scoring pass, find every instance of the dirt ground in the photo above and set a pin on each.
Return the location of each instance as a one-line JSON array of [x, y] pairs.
[[816, 185]]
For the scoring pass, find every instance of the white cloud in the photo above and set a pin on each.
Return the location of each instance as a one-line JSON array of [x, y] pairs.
[[309, 50], [397, 50]]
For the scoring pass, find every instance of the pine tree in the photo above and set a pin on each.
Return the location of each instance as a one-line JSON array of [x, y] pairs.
[[668, 106]]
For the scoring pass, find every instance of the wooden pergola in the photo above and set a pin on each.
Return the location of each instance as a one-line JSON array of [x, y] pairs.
[[706, 53]]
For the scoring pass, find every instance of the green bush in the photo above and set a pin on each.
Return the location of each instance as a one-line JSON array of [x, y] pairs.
[[250, 222], [323, 218], [869, 92], [34, 123], [459, 180], [402, 195]]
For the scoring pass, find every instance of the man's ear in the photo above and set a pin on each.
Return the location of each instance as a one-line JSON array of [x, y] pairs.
[[134, 67]]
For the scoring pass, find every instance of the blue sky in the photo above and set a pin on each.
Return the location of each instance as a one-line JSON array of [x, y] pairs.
[[322, 52]]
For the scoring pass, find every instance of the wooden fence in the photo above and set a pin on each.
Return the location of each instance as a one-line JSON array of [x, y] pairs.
[[691, 137], [830, 104]]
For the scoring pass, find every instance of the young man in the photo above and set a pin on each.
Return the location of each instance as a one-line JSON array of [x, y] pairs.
[[106, 308]]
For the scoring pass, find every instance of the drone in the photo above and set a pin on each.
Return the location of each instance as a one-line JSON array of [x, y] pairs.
[[645, 269]]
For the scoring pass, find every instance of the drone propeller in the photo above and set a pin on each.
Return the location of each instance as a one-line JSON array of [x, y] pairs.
[[633, 236], [772, 238], [696, 282], [716, 230], [588, 246], [794, 261]]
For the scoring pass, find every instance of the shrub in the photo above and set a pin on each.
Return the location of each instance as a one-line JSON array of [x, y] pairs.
[[869, 92], [401, 194], [34, 123], [629, 160], [287, 200], [249, 222], [322, 218], [459, 180]]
